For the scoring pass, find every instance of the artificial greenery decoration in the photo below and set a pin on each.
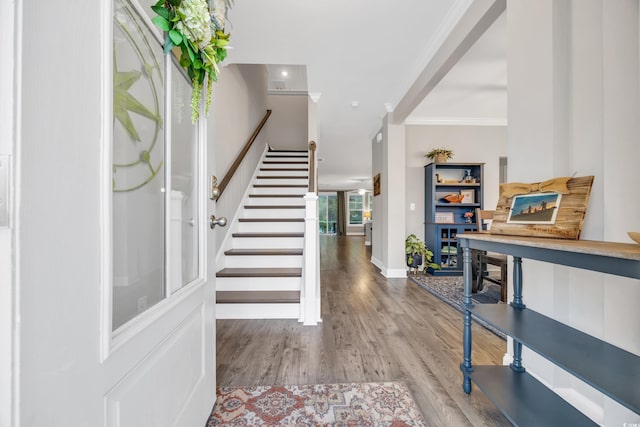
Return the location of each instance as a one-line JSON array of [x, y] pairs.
[[416, 247], [199, 34], [448, 154]]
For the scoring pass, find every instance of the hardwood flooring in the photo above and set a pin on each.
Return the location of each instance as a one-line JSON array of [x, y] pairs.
[[374, 329]]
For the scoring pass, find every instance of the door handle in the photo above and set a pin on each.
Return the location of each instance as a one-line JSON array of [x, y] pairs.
[[213, 221]]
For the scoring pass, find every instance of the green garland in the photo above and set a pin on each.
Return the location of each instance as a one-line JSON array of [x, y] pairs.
[[190, 26]]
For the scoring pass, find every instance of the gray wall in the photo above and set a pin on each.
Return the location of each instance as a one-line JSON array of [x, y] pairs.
[[378, 203], [289, 127], [573, 106], [239, 105], [476, 144]]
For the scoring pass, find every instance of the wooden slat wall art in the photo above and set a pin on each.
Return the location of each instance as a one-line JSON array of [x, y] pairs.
[[569, 219]]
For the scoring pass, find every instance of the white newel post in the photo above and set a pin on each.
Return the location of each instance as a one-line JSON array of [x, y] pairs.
[[310, 310]]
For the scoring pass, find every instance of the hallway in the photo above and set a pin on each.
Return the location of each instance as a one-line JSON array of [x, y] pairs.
[[373, 330]]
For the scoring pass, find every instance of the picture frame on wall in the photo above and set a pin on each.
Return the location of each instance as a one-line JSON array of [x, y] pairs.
[[376, 185]]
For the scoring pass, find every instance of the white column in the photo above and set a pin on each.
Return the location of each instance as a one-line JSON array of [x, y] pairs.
[[310, 304], [393, 188]]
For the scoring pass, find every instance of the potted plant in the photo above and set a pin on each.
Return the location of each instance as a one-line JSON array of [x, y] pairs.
[[440, 155], [417, 252]]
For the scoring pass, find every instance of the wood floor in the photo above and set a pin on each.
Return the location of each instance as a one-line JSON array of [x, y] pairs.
[[374, 329]]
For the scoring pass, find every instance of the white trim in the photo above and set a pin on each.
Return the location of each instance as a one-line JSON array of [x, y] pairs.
[[10, 105], [394, 273], [375, 261], [106, 202], [257, 311], [457, 121], [17, 195]]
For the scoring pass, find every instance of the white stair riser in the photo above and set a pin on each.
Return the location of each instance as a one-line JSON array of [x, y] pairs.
[[274, 213], [263, 261], [267, 242], [286, 181], [261, 201], [257, 311], [271, 227], [281, 190], [299, 172], [258, 283]]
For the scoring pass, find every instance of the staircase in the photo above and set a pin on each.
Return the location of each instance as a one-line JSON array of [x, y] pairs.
[[262, 274]]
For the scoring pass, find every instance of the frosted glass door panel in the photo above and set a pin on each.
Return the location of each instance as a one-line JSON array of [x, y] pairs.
[[185, 190], [138, 160]]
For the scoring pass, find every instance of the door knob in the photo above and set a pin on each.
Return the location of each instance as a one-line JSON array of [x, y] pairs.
[[213, 221]]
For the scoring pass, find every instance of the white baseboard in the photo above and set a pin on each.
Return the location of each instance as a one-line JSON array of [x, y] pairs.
[[257, 311], [395, 273]]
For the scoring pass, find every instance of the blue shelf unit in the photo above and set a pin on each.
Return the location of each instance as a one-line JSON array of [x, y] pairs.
[[517, 394], [444, 221]]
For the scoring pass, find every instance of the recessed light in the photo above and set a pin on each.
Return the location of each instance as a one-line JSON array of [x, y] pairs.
[[355, 104], [285, 73]]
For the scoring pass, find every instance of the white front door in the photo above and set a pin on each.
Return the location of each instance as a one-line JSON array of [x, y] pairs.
[[115, 292]]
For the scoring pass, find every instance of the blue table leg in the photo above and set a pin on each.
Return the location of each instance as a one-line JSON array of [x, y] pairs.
[[466, 366], [517, 283]]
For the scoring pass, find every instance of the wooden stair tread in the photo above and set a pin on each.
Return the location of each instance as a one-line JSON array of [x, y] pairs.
[[280, 185], [285, 169], [271, 219], [274, 206], [260, 272], [276, 195], [274, 162], [291, 156], [267, 235], [258, 297], [263, 252]]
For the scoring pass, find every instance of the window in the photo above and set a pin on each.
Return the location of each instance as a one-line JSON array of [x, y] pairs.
[[328, 213], [355, 209], [156, 234]]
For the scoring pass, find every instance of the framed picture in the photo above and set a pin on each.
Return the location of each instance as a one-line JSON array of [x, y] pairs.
[[560, 217], [444, 218], [540, 208], [468, 196], [376, 185]]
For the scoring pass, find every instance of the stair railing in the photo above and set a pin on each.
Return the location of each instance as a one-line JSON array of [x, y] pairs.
[[240, 157], [310, 295]]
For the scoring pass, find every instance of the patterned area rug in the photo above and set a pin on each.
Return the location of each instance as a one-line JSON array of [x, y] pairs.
[[450, 290], [370, 404]]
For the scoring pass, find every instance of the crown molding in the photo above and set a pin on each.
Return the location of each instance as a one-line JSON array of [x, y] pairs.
[[458, 121]]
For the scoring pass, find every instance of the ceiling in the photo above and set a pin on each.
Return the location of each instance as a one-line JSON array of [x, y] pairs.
[[359, 58]]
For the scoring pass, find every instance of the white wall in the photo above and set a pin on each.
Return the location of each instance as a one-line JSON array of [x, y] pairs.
[[573, 103], [477, 144], [241, 93], [289, 121], [378, 203]]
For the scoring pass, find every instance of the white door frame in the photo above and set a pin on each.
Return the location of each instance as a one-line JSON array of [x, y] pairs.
[[9, 100]]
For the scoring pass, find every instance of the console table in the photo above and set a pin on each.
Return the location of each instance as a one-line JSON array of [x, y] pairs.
[[519, 396]]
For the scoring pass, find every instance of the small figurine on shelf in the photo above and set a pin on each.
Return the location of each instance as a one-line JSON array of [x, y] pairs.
[[468, 217]]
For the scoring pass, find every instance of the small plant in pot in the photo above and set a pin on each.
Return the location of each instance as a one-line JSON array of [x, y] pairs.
[[440, 155], [417, 253]]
